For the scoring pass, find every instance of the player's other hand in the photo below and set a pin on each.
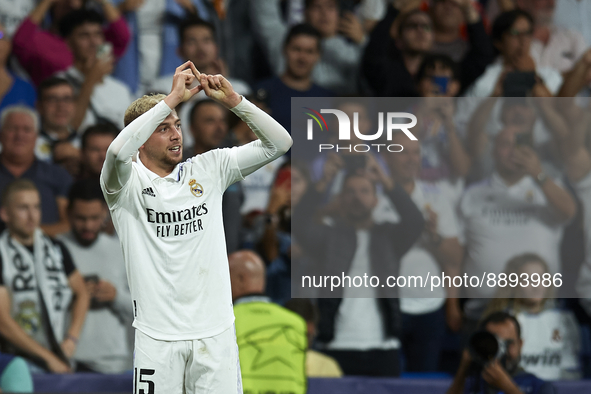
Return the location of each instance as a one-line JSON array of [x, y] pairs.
[[183, 78], [218, 88]]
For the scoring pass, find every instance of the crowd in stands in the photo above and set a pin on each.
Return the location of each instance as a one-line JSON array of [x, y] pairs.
[[498, 181]]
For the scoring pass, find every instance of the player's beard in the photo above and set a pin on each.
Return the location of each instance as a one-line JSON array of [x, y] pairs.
[[172, 161], [162, 158]]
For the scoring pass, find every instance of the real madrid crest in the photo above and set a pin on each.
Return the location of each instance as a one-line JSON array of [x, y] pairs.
[[196, 188]]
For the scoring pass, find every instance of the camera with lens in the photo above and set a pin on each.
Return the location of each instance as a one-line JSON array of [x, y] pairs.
[[485, 347]]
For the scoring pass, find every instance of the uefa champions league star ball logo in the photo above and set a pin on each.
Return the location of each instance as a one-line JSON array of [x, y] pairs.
[[196, 188]]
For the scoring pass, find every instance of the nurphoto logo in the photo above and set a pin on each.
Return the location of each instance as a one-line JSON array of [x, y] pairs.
[[392, 120]]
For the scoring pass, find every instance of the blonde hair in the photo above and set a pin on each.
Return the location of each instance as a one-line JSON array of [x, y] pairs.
[[141, 106], [16, 186], [506, 297]]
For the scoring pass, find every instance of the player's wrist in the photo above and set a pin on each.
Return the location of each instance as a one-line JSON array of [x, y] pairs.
[[232, 100], [173, 99]]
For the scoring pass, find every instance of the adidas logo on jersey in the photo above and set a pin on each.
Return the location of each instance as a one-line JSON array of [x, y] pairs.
[[149, 191]]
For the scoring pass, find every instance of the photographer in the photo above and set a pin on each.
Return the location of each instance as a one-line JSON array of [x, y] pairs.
[[501, 372]]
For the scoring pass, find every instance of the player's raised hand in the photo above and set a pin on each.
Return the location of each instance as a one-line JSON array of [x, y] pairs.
[[218, 88], [183, 78]]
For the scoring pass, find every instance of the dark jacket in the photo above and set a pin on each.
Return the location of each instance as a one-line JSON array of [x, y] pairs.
[[386, 74], [331, 248]]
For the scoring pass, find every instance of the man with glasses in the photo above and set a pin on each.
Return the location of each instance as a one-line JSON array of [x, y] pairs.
[[512, 33], [401, 40], [56, 106]]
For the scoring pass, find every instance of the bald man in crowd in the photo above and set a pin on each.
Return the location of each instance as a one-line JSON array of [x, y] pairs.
[[272, 340]]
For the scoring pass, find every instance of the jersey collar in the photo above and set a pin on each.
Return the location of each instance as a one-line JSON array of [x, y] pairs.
[[173, 176], [498, 182]]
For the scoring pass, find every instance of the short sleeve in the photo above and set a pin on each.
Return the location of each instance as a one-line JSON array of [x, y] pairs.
[[68, 262], [221, 165]]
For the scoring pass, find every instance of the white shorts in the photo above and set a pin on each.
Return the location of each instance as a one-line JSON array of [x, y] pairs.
[[200, 366]]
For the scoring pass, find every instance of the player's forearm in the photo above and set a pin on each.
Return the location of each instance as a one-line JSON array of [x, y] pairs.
[[273, 142], [117, 166]]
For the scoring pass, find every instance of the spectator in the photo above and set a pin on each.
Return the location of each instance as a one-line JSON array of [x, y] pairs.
[[95, 142], [400, 41], [506, 376], [43, 53], [518, 207], [56, 106], [449, 16], [318, 365], [66, 155], [34, 312], [258, 320], [15, 376], [394, 54], [100, 97], [275, 243], [572, 139], [330, 169], [152, 25], [553, 46], [520, 115], [551, 338], [362, 334], [574, 15], [13, 89], [18, 135], [209, 127], [234, 35], [425, 312], [198, 44], [512, 33], [103, 344], [443, 155], [341, 41], [301, 51]]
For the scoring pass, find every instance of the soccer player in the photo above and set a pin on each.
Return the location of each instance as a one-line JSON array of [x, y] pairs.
[[168, 215]]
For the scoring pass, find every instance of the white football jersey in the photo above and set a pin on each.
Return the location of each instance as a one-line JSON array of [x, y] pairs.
[[501, 222], [551, 344], [172, 235]]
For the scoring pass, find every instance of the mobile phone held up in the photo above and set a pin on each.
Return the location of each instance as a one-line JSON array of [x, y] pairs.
[[439, 85], [104, 51], [519, 83]]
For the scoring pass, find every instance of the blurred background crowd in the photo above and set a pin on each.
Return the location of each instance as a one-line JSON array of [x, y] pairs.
[[499, 179]]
